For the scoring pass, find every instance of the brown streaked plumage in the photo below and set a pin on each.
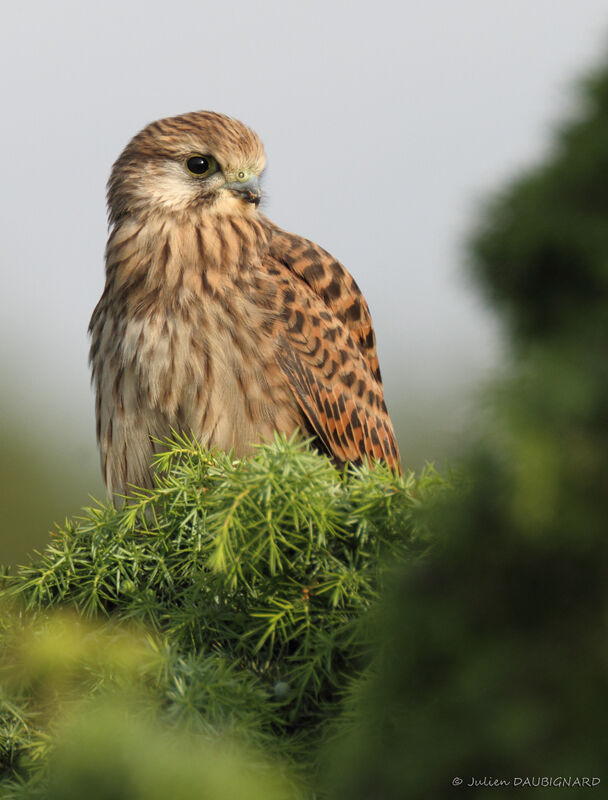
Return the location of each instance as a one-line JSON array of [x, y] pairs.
[[216, 322]]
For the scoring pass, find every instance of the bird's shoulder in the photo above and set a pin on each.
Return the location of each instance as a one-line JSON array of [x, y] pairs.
[[330, 281], [327, 350]]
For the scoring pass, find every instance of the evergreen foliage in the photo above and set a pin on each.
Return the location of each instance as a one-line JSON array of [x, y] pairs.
[[494, 661], [540, 253], [243, 586]]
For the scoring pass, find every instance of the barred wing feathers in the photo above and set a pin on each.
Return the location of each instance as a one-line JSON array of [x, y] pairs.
[[327, 351]]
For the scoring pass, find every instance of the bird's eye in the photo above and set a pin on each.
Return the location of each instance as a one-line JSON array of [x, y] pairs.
[[201, 165]]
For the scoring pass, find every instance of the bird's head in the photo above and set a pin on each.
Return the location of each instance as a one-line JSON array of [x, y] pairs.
[[187, 163]]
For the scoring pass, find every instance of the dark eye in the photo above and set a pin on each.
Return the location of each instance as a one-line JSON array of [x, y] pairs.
[[201, 165]]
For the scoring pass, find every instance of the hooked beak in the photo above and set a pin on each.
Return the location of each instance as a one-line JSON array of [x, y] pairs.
[[249, 190]]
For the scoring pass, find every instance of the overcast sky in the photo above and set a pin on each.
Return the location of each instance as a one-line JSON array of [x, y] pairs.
[[385, 124]]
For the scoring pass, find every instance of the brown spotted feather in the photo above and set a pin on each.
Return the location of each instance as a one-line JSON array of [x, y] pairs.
[[332, 283], [331, 374]]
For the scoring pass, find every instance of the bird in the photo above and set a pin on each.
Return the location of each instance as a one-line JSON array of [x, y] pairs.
[[216, 323]]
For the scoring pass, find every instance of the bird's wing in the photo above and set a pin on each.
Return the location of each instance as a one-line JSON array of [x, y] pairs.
[[332, 282], [329, 368]]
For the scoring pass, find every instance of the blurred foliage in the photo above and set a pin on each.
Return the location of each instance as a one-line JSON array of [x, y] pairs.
[[83, 721], [246, 586], [541, 253], [42, 479], [493, 659]]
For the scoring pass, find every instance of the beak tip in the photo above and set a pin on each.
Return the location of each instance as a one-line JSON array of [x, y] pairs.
[[249, 190]]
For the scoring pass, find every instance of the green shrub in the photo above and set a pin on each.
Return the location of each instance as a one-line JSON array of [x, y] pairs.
[[493, 665], [232, 598]]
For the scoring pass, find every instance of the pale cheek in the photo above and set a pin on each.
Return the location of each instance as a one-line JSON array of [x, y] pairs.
[[168, 191], [171, 191]]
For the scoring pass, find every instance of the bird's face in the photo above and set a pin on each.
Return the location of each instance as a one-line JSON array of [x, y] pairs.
[[198, 161]]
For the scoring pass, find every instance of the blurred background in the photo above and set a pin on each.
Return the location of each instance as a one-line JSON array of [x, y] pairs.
[[384, 131]]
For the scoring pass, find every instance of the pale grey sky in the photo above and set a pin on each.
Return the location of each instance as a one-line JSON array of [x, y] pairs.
[[385, 124]]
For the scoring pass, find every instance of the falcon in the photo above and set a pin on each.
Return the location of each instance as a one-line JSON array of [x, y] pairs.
[[217, 323]]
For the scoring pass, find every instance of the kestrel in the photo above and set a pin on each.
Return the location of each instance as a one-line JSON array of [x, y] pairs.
[[217, 323]]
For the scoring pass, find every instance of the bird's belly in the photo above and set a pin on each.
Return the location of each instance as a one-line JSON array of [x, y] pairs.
[[220, 385]]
